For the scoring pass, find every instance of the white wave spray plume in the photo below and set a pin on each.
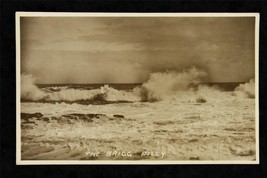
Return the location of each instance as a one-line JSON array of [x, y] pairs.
[[105, 93], [161, 85], [247, 89], [29, 90]]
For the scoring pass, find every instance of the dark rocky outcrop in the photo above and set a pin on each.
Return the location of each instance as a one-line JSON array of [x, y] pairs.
[[85, 117], [36, 118], [95, 115], [118, 116], [27, 116], [201, 100], [75, 116]]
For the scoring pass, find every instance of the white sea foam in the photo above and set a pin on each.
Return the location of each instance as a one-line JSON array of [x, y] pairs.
[[247, 89], [29, 90], [104, 93], [162, 85], [183, 86]]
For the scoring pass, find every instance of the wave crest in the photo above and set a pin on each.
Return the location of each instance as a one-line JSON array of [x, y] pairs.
[[162, 85], [247, 89], [29, 90], [170, 86], [105, 93]]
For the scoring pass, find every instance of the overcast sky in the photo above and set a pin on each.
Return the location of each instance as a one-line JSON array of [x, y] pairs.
[[127, 49]]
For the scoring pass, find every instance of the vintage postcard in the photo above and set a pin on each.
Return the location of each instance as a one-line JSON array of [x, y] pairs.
[[137, 88]]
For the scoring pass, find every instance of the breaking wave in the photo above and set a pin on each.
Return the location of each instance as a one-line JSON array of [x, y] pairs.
[[105, 93], [247, 89], [29, 90], [183, 86], [162, 85]]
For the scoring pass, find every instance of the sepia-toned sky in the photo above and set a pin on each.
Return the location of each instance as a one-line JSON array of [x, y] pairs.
[[127, 49]]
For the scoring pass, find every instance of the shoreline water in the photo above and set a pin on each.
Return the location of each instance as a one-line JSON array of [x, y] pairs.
[[171, 113], [221, 130]]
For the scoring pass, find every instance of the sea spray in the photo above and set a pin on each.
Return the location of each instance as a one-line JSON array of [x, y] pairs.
[[161, 85], [29, 90], [170, 86], [247, 89], [105, 93], [209, 94], [73, 95]]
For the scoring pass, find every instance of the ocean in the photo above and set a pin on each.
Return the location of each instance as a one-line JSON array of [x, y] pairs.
[[99, 93], [169, 117]]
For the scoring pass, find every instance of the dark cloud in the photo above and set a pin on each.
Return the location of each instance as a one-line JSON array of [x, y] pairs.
[[127, 49]]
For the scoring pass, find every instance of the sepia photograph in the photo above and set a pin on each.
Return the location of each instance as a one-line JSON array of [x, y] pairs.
[[137, 88]]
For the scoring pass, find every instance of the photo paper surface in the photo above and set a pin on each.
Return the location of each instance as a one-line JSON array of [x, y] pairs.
[[137, 88]]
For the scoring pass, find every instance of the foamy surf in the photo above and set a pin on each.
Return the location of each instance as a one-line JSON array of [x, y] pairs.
[[220, 129], [173, 113], [182, 86]]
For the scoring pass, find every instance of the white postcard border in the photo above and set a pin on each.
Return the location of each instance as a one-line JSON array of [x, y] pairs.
[[130, 162]]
